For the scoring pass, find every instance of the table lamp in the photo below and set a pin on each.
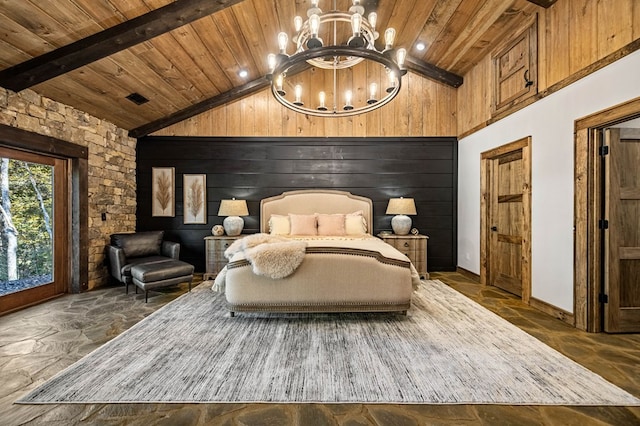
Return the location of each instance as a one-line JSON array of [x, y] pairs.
[[401, 207], [233, 209]]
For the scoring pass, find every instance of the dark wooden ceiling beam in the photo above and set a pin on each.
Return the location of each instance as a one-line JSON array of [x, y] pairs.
[[108, 42], [232, 95], [543, 3], [433, 72]]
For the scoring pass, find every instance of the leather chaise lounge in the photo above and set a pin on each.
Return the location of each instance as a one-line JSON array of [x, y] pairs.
[[148, 262]]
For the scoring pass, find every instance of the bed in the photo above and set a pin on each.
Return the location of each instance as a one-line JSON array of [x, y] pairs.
[[341, 270]]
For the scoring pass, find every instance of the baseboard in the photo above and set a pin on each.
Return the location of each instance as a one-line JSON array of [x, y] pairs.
[[541, 306], [468, 274], [554, 311]]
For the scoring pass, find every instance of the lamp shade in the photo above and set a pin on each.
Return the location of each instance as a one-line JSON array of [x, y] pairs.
[[401, 206], [233, 208]]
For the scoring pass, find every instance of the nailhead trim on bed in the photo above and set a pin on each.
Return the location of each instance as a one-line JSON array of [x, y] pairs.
[[337, 250]]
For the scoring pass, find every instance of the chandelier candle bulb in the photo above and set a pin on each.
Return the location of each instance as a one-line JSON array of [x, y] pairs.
[[392, 82], [356, 21], [271, 62], [401, 55], [283, 39], [297, 23], [322, 96], [373, 20], [347, 101], [279, 83], [389, 38], [373, 89], [314, 25], [298, 91]]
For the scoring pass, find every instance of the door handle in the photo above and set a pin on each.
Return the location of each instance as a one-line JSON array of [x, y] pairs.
[[494, 228]]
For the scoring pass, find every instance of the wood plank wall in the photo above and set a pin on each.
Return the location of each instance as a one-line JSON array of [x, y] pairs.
[[422, 108], [572, 36], [255, 168]]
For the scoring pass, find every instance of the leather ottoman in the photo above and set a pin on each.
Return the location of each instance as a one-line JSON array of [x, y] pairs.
[[154, 275]]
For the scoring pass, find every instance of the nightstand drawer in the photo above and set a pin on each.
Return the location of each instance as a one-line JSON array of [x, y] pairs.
[[406, 245]]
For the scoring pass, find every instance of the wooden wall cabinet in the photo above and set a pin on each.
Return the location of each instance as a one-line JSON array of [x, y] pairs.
[[412, 246], [515, 70]]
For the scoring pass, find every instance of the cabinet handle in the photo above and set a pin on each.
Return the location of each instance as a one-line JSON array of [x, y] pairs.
[[406, 244], [527, 83], [226, 244]]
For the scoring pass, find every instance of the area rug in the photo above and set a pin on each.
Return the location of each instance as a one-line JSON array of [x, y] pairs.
[[446, 350]]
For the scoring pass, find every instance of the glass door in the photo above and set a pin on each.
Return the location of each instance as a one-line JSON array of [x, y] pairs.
[[33, 228]]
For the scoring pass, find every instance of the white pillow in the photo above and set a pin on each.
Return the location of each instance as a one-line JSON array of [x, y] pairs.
[[355, 223], [279, 225]]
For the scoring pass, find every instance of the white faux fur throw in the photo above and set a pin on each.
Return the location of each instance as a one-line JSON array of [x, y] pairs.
[[276, 260], [270, 256], [250, 241]]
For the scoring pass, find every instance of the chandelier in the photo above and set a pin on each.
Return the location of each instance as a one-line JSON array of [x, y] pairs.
[[350, 77]]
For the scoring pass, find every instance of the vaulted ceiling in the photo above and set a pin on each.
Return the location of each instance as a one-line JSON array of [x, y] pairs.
[[184, 56]]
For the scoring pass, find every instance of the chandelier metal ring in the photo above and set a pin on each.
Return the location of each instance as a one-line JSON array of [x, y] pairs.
[[347, 48], [286, 63]]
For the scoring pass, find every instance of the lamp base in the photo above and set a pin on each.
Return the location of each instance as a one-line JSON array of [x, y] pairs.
[[400, 223], [233, 225]]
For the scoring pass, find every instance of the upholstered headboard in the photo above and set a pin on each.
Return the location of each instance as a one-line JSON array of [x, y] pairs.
[[311, 201]]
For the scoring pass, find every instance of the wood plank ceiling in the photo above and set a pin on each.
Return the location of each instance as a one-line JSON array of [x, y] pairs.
[[185, 55]]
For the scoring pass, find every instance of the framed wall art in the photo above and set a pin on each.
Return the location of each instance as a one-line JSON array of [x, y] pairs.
[[195, 198], [163, 191]]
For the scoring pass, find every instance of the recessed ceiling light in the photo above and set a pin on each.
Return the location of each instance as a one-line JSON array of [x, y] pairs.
[[243, 73], [421, 46]]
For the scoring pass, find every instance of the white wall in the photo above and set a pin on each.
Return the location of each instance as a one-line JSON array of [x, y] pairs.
[[550, 122]]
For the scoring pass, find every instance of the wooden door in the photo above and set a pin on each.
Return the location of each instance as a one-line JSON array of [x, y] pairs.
[[622, 234], [505, 218], [506, 212], [34, 249]]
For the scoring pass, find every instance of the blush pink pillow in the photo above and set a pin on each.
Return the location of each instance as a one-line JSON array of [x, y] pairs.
[[331, 224], [303, 224]]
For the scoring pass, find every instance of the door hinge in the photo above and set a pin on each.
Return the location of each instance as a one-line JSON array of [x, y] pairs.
[[603, 298], [603, 150], [603, 224]]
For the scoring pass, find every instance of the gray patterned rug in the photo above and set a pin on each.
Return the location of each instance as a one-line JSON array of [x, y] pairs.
[[447, 350]]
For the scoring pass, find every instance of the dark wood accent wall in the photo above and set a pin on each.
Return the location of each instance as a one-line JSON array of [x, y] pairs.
[[424, 168]]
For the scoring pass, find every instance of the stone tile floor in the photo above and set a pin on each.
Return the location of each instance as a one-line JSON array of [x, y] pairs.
[[37, 342]]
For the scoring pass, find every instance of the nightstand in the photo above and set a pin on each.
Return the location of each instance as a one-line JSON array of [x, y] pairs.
[[412, 246], [214, 252]]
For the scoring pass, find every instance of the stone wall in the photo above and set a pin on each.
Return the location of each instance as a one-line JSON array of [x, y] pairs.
[[112, 164]]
